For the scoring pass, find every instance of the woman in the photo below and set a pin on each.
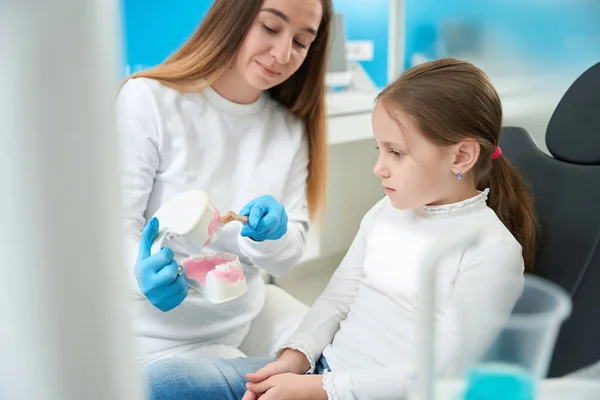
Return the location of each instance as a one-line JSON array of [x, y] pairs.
[[239, 111]]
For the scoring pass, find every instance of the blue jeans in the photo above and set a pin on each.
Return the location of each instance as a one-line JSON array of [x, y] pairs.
[[322, 366], [200, 379]]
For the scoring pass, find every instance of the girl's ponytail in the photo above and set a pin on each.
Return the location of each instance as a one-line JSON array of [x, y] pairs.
[[512, 201]]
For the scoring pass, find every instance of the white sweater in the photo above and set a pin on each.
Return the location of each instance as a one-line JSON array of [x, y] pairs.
[[173, 142], [364, 323]]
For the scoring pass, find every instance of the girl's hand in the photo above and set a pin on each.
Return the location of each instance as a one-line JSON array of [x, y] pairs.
[[287, 386], [292, 361]]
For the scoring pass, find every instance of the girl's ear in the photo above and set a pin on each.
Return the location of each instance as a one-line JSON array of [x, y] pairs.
[[466, 154]]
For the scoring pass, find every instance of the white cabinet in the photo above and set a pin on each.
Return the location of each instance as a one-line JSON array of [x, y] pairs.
[[352, 188]]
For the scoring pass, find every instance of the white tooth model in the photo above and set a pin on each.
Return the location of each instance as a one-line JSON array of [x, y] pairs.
[[188, 223], [218, 277]]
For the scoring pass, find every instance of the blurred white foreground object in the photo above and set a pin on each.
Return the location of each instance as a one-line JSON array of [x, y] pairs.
[[515, 361], [64, 332], [426, 318]]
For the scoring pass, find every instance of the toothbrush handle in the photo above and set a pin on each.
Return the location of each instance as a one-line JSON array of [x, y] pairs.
[[231, 216]]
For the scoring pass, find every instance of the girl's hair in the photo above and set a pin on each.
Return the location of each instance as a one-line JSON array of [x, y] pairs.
[[451, 100], [211, 50]]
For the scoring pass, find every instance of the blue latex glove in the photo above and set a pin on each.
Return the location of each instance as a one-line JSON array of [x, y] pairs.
[[267, 219], [157, 274]]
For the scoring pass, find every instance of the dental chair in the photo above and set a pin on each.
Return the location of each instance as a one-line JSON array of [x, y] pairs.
[[566, 189]]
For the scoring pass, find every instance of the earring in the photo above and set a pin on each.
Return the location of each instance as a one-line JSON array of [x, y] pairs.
[[459, 175]]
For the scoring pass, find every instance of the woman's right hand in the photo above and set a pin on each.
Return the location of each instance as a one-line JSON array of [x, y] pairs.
[[157, 274]]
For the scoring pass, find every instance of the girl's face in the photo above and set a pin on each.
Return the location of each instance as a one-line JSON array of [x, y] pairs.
[[414, 172], [278, 41]]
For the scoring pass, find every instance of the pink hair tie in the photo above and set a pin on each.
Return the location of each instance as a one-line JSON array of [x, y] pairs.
[[497, 153]]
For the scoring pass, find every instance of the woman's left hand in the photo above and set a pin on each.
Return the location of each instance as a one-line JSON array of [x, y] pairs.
[[287, 387], [267, 219]]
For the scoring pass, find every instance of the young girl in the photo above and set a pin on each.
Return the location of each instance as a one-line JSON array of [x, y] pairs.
[[437, 130], [238, 110]]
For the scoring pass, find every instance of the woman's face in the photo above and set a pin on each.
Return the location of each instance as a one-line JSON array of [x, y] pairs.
[[278, 41]]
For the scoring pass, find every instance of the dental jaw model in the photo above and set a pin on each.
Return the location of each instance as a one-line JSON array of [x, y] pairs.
[[219, 277], [188, 223]]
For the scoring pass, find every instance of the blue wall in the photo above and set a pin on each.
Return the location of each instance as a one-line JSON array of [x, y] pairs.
[[369, 20], [560, 32], [552, 33], [153, 29]]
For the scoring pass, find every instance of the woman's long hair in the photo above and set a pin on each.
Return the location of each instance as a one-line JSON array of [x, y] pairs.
[[211, 50]]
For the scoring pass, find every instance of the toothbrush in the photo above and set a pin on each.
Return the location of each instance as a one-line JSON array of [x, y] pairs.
[[231, 216]]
